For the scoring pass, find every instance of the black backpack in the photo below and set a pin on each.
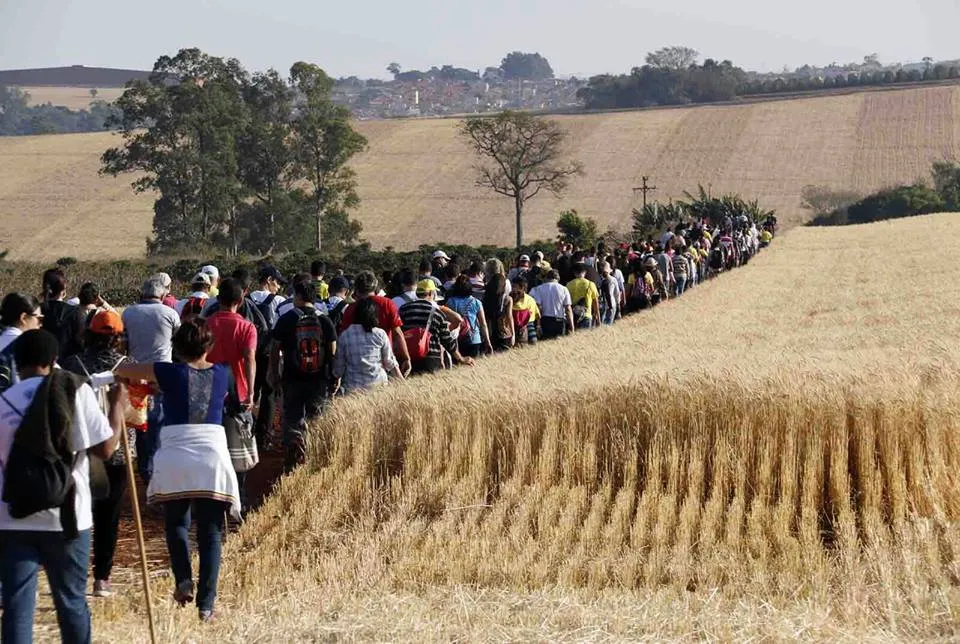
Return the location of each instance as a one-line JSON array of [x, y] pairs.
[[268, 310], [336, 313], [8, 368], [716, 259]]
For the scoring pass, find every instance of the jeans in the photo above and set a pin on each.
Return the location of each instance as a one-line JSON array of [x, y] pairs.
[[210, 516], [106, 522], [585, 323], [301, 402], [149, 441], [609, 315], [681, 284], [22, 553], [268, 401]]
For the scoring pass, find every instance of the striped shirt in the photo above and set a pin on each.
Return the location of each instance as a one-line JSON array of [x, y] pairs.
[[417, 315], [680, 266]]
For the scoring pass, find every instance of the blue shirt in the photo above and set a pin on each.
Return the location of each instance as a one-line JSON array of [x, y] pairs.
[[469, 308], [192, 396]]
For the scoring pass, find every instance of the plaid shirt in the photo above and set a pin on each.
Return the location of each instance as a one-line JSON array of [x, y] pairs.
[[363, 359]]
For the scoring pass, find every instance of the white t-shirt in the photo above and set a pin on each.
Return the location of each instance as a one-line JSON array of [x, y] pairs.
[[90, 427], [552, 298], [259, 297], [8, 335], [288, 305]]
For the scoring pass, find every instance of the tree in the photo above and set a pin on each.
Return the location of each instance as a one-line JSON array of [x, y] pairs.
[[928, 63], [520, 66], [323, 142], [93, 92], [673, 58], [521, 155], [394, 69], [946, 181], [580, 232]]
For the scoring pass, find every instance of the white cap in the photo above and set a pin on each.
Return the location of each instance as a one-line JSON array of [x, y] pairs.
[[212, 271], [441, 255], [524, 258], [201, 278]]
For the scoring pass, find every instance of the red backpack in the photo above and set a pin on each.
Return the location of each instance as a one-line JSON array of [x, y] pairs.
[[192, 308], [418, 341]]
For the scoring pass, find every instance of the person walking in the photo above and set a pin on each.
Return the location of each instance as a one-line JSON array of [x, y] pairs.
[[65, 321], [556, 306], [475, 337], [18, 313], [193, 475], [585, 297], [421, 318], [365, 357], [498, 309]]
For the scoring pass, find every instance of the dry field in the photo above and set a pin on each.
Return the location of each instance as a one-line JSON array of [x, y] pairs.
[[772, 457], [417, 185], [75, 98]]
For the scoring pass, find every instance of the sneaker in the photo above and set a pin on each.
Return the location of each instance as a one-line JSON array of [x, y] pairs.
[[183, 595], [102, 588], [207, 616]]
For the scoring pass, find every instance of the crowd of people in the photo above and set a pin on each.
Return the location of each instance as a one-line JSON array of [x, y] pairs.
[[205, 382]]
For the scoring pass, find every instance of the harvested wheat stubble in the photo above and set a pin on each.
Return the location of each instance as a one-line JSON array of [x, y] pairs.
[[416, 181], [775, 455]]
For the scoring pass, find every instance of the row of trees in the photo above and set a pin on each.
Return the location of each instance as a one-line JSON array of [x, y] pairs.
[[516, 65], [841, 207], [18, 117], [851, 79], [241, 162]]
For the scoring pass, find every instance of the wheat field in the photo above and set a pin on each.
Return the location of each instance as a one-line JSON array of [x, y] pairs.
[[416, 181], [774, 456], [75, 98]]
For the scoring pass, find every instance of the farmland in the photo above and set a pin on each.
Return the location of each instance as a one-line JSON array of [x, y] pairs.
[[76, 98], [772, 456], [416, 183]]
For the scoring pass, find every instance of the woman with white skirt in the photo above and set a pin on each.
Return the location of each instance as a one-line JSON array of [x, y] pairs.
[[192, 468]]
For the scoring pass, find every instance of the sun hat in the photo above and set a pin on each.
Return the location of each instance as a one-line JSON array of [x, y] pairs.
[[439, 254], [106, 323], [425, 287]]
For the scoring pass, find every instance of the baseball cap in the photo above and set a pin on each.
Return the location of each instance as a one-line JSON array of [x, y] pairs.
[[439, 254], [269, 271], [524, 258], [425, 287], [106, 323], [202, 278], [212, 271], [338, 284]]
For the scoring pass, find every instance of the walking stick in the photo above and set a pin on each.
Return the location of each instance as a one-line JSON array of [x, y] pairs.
[[139, 523]]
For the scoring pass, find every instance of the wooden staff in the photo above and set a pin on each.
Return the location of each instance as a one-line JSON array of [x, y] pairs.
[[139, 523]]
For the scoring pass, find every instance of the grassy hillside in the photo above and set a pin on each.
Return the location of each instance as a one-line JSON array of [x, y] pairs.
[[771, 456], [76, 98], [417, 186]]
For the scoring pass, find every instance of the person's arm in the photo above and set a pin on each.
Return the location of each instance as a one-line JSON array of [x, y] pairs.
[[250, 370], [568, 309], [339, 364], [484, 331], [118, 406], [389, 362], [596, 307], [454, 319], [513, 330], [335, 381], [273, 368], [401, 350]]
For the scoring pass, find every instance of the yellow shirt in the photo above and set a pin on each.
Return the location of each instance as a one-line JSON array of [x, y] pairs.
[[583, 289], [527, 303], [323, 290]]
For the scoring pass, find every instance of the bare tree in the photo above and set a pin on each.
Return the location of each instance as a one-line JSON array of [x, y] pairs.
[[521, 155]]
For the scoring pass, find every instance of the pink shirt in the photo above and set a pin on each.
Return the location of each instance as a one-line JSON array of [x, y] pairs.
[[234, 337]]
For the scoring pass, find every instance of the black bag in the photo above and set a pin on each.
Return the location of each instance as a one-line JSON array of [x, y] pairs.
[[8, 368], [268, 310], [336, 313], [33, 483]]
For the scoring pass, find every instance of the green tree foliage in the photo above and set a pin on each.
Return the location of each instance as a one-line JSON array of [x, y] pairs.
[[654, 217], [520, 66], [226, 152], [718, 209], [579, 231], [675, 58], [17, 117], [946, 181], [521, 155]]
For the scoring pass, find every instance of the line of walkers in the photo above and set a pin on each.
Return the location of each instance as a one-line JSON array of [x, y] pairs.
[[204, 383]]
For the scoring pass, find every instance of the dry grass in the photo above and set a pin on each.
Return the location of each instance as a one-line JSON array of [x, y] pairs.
[[417, 186], [75, 98], [774, 456]]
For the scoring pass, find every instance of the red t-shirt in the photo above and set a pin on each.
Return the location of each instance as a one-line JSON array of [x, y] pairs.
[[388, 315], [233, 338]]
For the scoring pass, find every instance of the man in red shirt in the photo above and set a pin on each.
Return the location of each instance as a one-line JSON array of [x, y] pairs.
[[388, 316], [235, 340]]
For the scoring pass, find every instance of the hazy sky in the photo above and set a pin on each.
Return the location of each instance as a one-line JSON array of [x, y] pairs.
[[362, 37]]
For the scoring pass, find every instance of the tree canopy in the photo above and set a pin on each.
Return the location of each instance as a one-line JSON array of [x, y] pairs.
[[520, 66], [18, 117]]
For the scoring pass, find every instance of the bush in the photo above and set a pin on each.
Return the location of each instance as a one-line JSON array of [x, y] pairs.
[[893, 203], [579, 231]]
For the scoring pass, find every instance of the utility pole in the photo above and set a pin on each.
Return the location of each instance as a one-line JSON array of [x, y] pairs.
[[644, 188]]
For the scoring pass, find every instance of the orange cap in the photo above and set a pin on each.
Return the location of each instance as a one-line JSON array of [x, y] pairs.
[[106, 323]]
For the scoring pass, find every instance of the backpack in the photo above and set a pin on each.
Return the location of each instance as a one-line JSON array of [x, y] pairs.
[[268, 310], [580, 311], [534, 277], [309, 358], [521, 322], [716, 259], [418, 340], [336, 313], [192, 308], [8, 368]]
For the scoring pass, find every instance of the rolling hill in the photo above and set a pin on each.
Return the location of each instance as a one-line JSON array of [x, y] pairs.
[[417, 185]]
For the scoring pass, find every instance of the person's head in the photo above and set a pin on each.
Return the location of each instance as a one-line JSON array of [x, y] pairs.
[[231, 294], [408, 280], [339, 286], [89, 294], [54, 284], [365, 285], [495, 289], [523, 261], [366, 314], [425, 268], [605, 268], [304, 293], [494, 267], [212, 272], [390, 282], [242, 275], [476, 268], [553, 275], [462, 287], [579, 269], [165, 280], [152, 289], [35, 353], [201, 283], [612, 260], [519, 285], [193, 340], [650, 263], [427, 290], [440, 258], [318, 268], [105, 331], [451, 272], [271, 279], [21, 311], [536, 258]]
